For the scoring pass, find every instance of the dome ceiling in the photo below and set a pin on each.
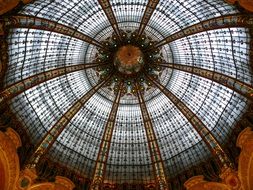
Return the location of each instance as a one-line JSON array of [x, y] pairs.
[[37, 47]]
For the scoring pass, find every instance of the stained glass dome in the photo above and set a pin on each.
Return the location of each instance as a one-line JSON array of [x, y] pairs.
[[138, 88]]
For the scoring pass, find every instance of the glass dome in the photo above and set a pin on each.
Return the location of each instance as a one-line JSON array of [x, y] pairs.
[[204, 75]]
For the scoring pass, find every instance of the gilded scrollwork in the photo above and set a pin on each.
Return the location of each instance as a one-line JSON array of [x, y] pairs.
[[198, 183], [7, 5], [13, 135], [68, 184], [231, 179], [9, 157], [246, 4], [27, 181], [245, 169], [14, 179]]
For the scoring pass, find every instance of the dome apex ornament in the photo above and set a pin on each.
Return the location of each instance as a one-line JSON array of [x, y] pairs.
[[129, 59]]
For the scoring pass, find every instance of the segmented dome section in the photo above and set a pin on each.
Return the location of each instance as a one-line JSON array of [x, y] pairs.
[[85, 16], [129, 158], [81, 139], [33, 51]]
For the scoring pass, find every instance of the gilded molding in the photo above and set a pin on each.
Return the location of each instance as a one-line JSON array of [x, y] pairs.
[[246, 4], [61, 183], [14, 179], [7, 5], [198, 183], [67, 183], [42, 186], [13, 135], [26, 179], [27, 182], [9, 157], [245, 139], [245, 169], [190, 183], [231, 179]]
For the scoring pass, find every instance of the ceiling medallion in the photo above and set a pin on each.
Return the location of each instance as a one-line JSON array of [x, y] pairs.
[[129, 61]]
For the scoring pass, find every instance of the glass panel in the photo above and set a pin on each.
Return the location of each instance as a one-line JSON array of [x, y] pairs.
[[33, 51]]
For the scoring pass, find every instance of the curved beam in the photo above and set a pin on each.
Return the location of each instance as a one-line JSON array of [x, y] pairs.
[[232, 83], [27, 21], [226, 21], [100, 168], [25, 84], [147, 15], [106, 6], [211, 142], [47, 141], [157, 162]]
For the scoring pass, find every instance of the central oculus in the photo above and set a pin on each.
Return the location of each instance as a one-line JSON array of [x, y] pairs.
[[129, 59]]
